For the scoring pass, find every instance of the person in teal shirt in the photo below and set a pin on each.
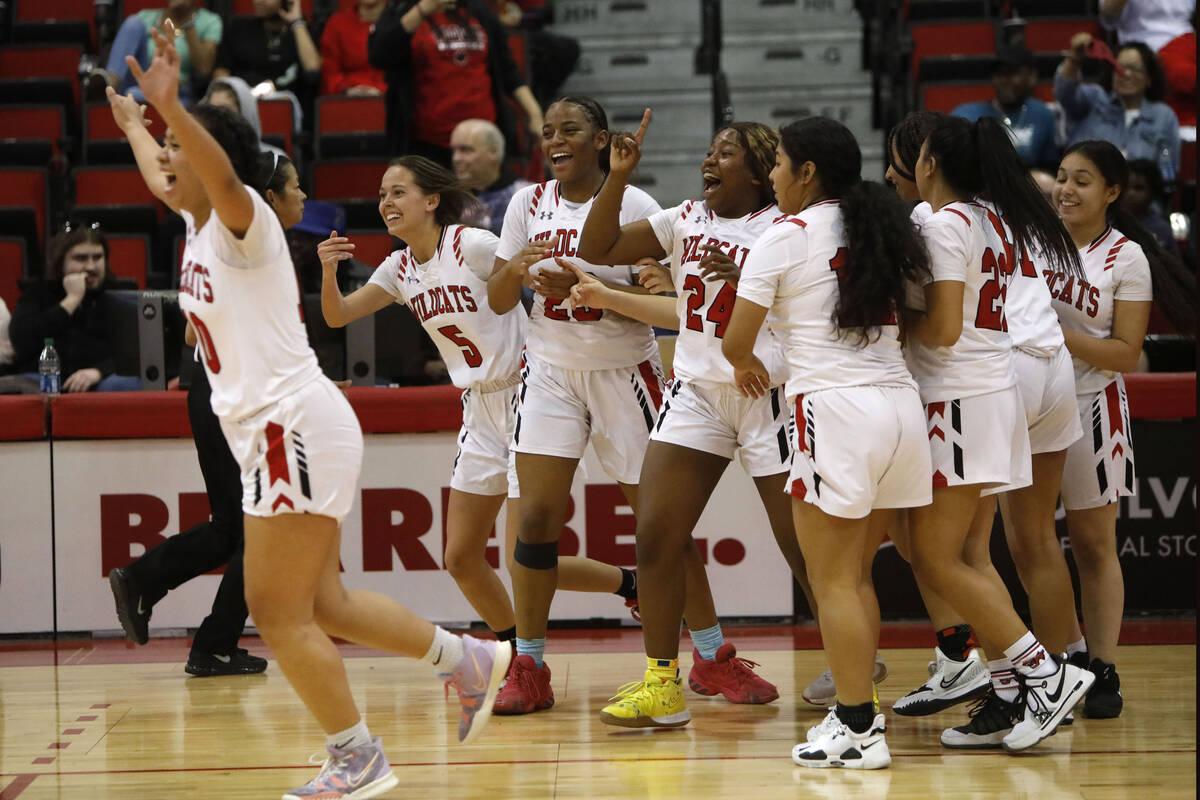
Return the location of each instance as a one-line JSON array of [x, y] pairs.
[[1030, 123], [197, 34]]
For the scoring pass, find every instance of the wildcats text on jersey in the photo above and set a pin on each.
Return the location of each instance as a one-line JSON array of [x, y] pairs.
[[193, 280], [442, 300]]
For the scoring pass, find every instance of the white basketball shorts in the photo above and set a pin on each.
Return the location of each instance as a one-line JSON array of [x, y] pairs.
[[560, 410], [301, 455], [717, 419], [1047, 387], [1099, 466], [860, 448], [485, 463], [982, 439]]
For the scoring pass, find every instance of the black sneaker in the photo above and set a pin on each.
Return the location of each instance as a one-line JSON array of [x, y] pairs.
[[1079, 659], [132, 610], [991, 719], [1104, 701], [239, 662]]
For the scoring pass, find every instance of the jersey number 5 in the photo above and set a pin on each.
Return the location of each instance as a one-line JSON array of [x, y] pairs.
[[470, 352], [207, 348], [718, 313]]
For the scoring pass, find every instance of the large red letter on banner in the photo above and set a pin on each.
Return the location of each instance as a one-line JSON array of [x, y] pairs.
[[124, 520], [381, 535], [604, 525]]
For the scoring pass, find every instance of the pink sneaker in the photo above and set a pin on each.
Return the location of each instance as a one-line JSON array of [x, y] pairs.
[[477, 680], [730, 676], [527, 690]]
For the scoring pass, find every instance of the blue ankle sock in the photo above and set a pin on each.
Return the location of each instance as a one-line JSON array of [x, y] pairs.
[[536, 648], [708, 641]]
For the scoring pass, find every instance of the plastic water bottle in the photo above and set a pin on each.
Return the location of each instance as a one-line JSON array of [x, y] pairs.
[[50, 369]]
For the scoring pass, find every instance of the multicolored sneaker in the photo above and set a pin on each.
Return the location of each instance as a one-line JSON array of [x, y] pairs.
[[991, 720], [656, 702], [835, 745], [1047, 701], [477, 681], [731, 676], [822, 692], [349, 775], [950, 683], [635, 610], [527, 689]]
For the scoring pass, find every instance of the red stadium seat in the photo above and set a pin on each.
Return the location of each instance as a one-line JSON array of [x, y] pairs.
[[351, 126], [31, 135], [45, 69], [278, 122], [951, 38], [371, 247], [24, 194], [352, 184], [129, 256], [945, 97], [103, 141], [1055, 34], [55, 20], [117, 198], [12, 269]]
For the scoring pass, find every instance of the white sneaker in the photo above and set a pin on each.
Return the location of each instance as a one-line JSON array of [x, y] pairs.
[[1047, 701], [838, 746], [821, 692], [823, 727], [950, 683]]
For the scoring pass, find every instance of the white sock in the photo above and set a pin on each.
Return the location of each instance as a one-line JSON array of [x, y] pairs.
[[1004, 679], [355, 736], [1077, 647], [445, 652], [1029, 658]]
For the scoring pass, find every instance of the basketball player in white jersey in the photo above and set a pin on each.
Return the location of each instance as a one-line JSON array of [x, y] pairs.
[[831, 277], [293, 434], [1104, 317], [442, 277], [590, 374], [704, 422], [961, 356]]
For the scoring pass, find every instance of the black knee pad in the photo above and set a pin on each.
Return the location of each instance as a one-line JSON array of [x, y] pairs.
[[536, 556]]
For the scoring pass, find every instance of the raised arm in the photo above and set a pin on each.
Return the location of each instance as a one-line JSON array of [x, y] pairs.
[[338, 310], [229, 197], [130, 118], [603, 239]]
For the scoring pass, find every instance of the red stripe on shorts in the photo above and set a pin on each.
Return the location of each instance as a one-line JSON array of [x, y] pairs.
[[650, 378], [277, 468], [1113, 395], [801, 428]]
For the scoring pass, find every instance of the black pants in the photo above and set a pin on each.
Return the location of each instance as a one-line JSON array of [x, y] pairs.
[[208, 545]]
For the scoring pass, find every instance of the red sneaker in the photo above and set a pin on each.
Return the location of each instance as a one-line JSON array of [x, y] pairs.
[[527, 690], [635, 611], [730, 676]]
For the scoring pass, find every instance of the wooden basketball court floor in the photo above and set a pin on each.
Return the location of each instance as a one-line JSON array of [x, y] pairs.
[[100, 720]]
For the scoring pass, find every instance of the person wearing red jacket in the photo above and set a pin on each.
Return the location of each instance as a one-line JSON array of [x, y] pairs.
[[344, 65]]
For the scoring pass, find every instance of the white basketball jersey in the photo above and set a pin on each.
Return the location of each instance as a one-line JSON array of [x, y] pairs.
[[560, 334], [448, 296], [1032, 323], [243, 300], [793, 271], [981, 360], [704, 306], [1114, 268]]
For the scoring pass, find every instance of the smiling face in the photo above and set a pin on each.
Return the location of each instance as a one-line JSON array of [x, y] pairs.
[[729, 185], [1081, 196], [1136, 80], [288, 203], [88, 258], [907, 189], [402, 205], [571, 142], [787, 186], [476, 164]]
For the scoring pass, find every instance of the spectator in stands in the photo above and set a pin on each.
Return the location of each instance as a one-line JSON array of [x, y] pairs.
[[272, 51], [1131, 116], [552, 56], [1144, 198], [236, 95], [447, 61], [477, 148], [1154, 22], [69, 308], [1178, 59], [1028, 121], [344, 65], [197, 34]]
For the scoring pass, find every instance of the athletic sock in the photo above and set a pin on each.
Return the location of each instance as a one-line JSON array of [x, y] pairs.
[[665, 668], [628, 588], [356, 735], [445, 652], [1029, 658], [506, 635], [1004, 679], [955, 642], [707, 641], [857, 718], [1077, 647], [534, 648]]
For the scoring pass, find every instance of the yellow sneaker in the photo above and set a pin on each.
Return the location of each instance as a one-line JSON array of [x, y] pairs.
[[875, 698], [653, 703]]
